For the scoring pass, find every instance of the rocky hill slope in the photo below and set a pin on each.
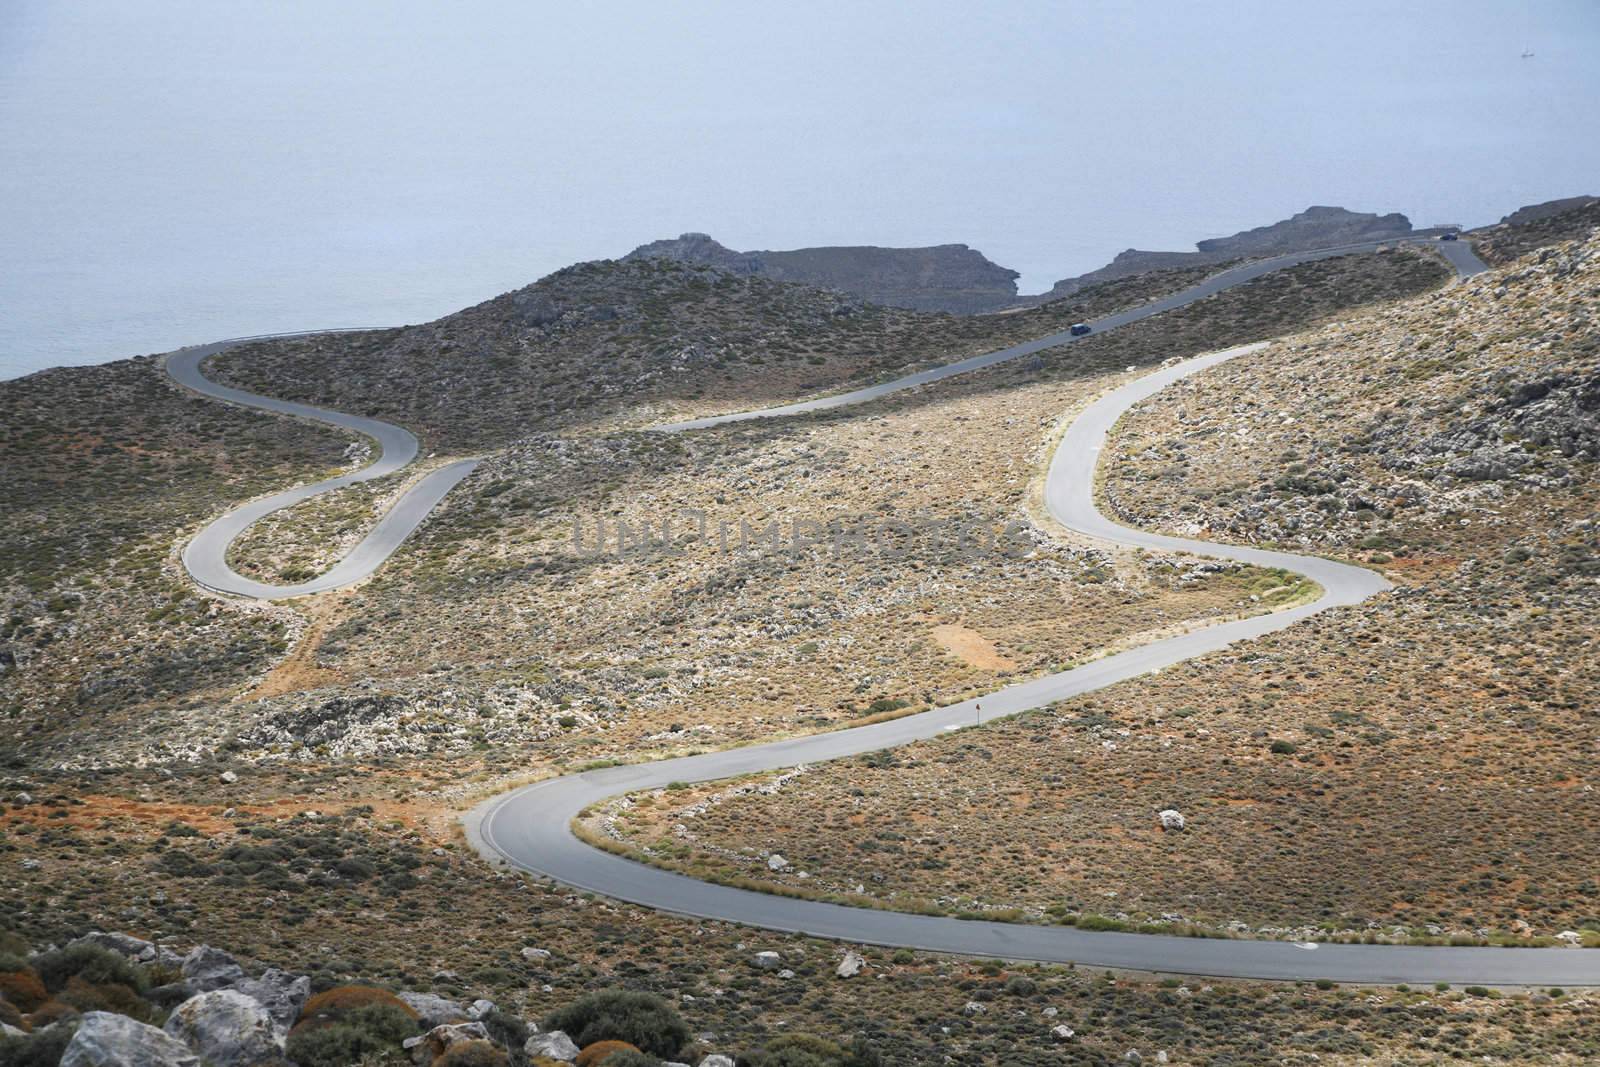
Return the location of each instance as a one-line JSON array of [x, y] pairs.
[[951, 278], [1315, 227], [1331, 778], [631, 342], [1536, 227]]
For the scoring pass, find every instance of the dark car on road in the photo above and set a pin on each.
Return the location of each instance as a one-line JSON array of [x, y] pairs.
[[1449, 236], [1079, 329]]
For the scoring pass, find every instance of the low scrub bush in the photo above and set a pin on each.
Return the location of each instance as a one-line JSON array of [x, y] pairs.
[[640, 1019], [93, 964], [36, 1050]]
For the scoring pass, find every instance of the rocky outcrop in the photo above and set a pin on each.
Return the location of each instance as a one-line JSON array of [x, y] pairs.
[[282, 994], [433, 1010], [227, 1028], [1315, 227], [554, 1045], [439, 1040], [1538, 226], [105, 1039], [952, 278], [206, 968], [1547, 209]]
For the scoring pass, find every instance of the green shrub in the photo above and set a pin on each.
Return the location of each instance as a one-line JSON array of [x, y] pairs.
[[1283, 748], [805, 1050], [505, 1029], [333, 1046], [1021, 986], [93, 964], [641, 1019], [357, 1033], [43, 1049]]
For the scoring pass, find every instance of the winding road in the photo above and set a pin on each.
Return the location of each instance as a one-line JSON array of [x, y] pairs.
[[530, 828]]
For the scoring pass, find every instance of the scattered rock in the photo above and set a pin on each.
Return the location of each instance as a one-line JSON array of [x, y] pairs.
[[108, 1040], [206, 968], [534, 955], [716, 1061], [557, 1046], [1171, 819], [433, 1010], [851, 965], [768, 961], [430, 1046], [776, 862], [124, 944], [479, 1008], [1062, 1032], [228, 777], [227, 1028], [282, 994]]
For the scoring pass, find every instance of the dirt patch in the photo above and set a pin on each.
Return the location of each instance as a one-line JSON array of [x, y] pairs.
[[299, 670], [971, 646]]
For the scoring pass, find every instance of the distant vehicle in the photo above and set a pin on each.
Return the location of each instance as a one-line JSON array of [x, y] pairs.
[[1449, 237], [1079, 329]]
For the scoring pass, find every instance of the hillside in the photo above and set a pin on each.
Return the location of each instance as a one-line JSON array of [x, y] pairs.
[[951, 278], [1538, 226], [284, 781], [619, 343], [1315, 227], [1332, 776]]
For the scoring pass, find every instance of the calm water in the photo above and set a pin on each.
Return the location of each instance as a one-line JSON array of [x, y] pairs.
[[171, 174]]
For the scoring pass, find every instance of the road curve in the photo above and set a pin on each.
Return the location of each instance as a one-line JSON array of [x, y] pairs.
[[530, 828], [206, 556], [1459, 253]]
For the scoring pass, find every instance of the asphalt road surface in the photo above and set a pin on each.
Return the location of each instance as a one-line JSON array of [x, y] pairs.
[[530, 828], [206, 557]]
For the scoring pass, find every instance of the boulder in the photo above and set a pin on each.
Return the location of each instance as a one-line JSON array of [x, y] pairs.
[[535, 955], [1171, 819], [124, 944], [108, 1040], [554, 1045], [206, 968], [433, 1044], [281, 993], [776, 862], [768, 961], [433, 1010], [227, 1028], [479, 1008], [717, 1060], [851, 965], [1062, 1032]]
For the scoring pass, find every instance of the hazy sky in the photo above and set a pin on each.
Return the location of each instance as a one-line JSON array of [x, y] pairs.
[[179, 171]]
